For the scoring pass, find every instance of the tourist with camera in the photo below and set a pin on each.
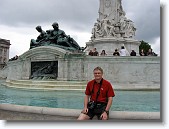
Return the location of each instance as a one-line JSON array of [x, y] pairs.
[[99, 97]]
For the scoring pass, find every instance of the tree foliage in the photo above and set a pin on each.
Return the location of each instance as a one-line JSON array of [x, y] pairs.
[[145, 46]]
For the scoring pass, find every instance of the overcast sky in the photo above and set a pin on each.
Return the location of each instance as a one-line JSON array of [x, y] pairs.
[[18, 19]]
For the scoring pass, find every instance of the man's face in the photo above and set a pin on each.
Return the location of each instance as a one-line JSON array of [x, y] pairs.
[[98, 74]]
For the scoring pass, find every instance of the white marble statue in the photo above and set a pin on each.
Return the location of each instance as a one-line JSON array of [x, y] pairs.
[[97, 31], [112, 21], [123, 21], [129, 29], [111, 9]]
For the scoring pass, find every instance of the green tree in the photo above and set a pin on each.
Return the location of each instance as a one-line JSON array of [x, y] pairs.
[[145, 46]]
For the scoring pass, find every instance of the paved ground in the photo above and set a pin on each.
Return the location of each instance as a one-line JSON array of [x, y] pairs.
[[20, 116], [10, 115]]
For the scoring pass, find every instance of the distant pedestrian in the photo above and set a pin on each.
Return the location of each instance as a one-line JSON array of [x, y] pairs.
[[90, 53], [123, 51], [95, 52], [133, 53], [150, 52], [142, 52], [103, 53], [116, 53]]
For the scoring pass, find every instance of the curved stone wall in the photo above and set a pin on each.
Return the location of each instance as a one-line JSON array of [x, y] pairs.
[[122, 115], [136, 72]]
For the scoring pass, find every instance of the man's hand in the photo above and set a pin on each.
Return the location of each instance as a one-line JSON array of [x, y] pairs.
[[104, 116], [85, 110]]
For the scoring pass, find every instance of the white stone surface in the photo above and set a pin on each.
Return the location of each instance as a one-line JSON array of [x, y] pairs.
[[74, 112], [110, 44], [134, 72], [127, 70]]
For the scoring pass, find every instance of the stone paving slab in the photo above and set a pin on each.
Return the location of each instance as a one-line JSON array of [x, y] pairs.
[[10, 116], [13, 116], [70, 113], [20, 116]]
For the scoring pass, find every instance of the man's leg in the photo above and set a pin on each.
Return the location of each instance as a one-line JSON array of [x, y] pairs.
[[83, 117]]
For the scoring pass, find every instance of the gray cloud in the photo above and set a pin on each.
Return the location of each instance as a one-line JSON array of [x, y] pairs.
[[79, 15], [146, 15], [74, 12]]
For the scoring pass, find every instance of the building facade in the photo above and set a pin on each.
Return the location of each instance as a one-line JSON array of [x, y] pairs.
[[4, 51]]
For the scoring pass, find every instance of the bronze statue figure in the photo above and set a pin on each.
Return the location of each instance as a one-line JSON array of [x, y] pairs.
[[40, 38], [55, 37]]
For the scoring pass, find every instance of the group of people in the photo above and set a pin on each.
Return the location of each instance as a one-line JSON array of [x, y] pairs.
[[93, 52], [14, 58], [122, 52], [149, 53]]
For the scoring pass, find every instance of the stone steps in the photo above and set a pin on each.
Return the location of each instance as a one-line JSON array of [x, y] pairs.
[[46, 85], [48, 82], [69, 85]]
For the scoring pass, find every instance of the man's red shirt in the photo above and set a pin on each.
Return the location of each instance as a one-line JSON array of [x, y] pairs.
[[106, 90]]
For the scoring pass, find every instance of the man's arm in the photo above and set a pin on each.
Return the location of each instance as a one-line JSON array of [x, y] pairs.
[[110, 101], [86, 100], [104, 115]]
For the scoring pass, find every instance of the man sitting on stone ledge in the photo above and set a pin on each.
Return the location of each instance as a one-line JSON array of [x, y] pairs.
[[99, 96]]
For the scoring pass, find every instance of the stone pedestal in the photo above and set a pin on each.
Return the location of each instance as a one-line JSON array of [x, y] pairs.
[[113, 29], [110, 44]]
